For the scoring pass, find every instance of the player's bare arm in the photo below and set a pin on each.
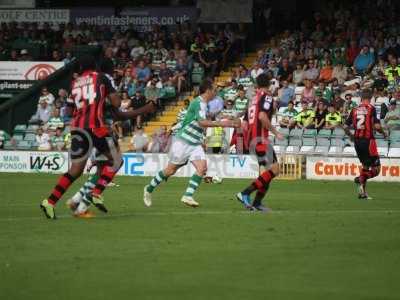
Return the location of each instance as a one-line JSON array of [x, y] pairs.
[[263, 117], [225, 123]]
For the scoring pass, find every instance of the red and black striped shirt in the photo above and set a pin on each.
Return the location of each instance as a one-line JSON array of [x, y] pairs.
[[89, 92], [362, 119], [262, 102]]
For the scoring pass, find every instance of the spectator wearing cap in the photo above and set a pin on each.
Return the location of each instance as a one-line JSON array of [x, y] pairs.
[[305, 118], [364, 61], [333, 118], [392, 118], [209, 59], [285, 94], [42, 114], [288, 116]]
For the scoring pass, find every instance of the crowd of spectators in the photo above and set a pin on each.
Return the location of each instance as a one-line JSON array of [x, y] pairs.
[[158, 65]]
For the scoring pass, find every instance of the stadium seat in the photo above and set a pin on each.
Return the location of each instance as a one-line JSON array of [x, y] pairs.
[[284, 131], [279, 149], [383, 147], [349, 150], [321, 150], [334, 150], [296, 133], [394, 152], [19, 129], [323, 142], [32, 128], [30, 137], [295, 142], [309, 133], [23, 145], [395, 136], [378, 135], [281, 142], [326, 133], [8, 145], [17, 137], [338, 133], [308, 142], [293, 149], [337, 142], [308, 145]]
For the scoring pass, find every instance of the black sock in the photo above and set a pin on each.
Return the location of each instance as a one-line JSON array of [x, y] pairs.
[[251, 188], [260, 196]]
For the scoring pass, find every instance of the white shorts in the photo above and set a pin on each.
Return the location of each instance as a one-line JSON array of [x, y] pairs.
[[181, 152]]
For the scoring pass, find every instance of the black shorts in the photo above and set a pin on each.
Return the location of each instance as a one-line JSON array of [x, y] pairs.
[[367, 152], [84, 140], [265, 154]]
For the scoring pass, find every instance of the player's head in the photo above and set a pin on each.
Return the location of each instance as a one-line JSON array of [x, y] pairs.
[[86, 63], [262, 81], [366, 95], [207, 89]]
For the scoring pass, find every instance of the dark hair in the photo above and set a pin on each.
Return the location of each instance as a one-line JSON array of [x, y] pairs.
[[86, 62], [240, 87], [205, 85], [366, 94], [107, 66], [290, 102], [262, 81]]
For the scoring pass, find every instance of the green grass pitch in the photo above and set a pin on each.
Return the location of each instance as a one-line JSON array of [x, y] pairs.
[[319, 242]]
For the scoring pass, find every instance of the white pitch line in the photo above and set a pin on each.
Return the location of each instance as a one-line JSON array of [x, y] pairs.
[[208, 212]]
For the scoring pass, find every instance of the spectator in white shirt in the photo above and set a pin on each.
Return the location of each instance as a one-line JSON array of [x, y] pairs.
[[47, 96], [139, 141], [256, 70], [43, 140], [137, 51], [42, 114]]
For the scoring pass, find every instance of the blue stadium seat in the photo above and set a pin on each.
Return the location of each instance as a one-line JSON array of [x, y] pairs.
[[326, 133], [19, 129]]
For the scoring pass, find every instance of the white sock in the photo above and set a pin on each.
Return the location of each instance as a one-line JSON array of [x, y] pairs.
[[82, 207], [77, 198]]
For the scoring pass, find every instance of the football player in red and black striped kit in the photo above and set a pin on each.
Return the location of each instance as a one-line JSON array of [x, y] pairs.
[[89, 129], [259, 116], [364, 121]]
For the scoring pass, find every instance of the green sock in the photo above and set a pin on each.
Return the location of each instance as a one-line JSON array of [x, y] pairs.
[[194, 183], [156, 181], [86, 190]]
